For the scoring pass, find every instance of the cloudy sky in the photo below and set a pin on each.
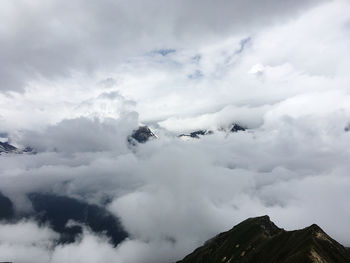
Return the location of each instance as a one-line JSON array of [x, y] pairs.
[[77, 77]]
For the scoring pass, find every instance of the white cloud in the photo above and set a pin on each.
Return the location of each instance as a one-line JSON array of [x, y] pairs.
[[288, 83], [64, 37], [26, 242]]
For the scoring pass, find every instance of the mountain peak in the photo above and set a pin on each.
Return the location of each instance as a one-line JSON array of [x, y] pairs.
[[7, 148], [141, 135], [265, 223], [236, 128], [259, 240], [314, 227]]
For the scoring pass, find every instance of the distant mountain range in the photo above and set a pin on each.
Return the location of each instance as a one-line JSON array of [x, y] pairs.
[[140, 135], [258, 240], [5, 147], [195, 134], [198, 133], [144, 134]]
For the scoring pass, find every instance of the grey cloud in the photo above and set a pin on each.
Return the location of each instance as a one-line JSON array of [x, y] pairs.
[[55, 38], [195, 186], [111, 95], [244, 42], [25, 241], [83, 135], [171, 195]]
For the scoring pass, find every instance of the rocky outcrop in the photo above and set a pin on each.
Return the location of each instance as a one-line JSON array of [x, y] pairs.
[[5, 147], [141, 135], [195, 134], [236, 128]]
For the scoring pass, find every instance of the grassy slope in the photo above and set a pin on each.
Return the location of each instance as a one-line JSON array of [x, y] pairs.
[[258, 240]]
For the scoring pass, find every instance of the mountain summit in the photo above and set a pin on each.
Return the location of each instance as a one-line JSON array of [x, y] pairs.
[[258, 240], [141, 135]]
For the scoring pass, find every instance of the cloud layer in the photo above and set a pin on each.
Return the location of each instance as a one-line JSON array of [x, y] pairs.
[[50, 39], [79, 78]]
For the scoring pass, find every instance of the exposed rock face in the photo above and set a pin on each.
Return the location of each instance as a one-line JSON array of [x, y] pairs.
[[6, 208], [258, 240], [195, 134], [236, 128], [5, 147], [29, 149], [141, 135]]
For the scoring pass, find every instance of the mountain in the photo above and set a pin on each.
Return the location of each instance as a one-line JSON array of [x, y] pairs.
[[141, 135], [195, 134], [5, 147], [236, 128], [258, 240], [58, 211], [6, 208]]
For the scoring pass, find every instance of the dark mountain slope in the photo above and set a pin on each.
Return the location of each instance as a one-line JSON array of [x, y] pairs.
[[5, 147], [236, 128], [6, 208], [141, 135], [58, 210], [196, 134], [199, 133], [258, 240]]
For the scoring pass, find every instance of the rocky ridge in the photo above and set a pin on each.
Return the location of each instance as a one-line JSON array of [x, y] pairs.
[[258, 240]]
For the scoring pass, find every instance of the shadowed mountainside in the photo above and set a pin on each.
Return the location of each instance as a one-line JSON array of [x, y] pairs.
[[5, 147], [59, 210], [141, 135], [6, 208]]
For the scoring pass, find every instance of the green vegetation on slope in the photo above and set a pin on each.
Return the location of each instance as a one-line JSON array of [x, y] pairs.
[[258, 240]]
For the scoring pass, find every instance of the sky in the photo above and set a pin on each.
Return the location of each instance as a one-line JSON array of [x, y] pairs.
[[77, 77]]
